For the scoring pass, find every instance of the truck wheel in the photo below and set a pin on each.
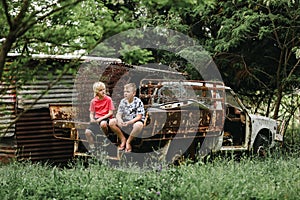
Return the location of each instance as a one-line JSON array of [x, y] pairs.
[[261, 146], [177, 159]]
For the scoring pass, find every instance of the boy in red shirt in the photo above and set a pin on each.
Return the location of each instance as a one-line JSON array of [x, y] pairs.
[[101, 110]]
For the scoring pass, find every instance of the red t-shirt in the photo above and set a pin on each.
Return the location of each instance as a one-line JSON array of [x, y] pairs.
[[101, 106]]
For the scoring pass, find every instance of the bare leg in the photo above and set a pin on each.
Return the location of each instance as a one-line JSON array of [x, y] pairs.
[[103, 126], [90, 138], [137, 128], [113, 126]]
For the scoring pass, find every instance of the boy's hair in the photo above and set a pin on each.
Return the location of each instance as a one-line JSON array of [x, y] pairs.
[[130, 85], [97, 86]]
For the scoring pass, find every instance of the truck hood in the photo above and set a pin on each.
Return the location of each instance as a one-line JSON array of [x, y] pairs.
[[259, 122], [262, 118]]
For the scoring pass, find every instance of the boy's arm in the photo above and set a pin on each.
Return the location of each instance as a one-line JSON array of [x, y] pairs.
[[92, 117], [137, 118], [119, 117], [108, 115]]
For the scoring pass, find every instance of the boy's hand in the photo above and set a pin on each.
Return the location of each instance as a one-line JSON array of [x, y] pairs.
[[127, 123], [121, 123]]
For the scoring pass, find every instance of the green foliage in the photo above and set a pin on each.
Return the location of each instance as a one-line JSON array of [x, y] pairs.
[[68, 30], [292, 136], [296, 50], [135, 55], [254, 43], [273, 178]]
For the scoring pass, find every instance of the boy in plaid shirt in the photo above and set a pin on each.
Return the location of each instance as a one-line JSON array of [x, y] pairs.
[[131, 113]]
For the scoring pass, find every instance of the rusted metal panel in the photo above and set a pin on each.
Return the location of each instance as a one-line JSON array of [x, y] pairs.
[[61, 92], [7, 116], [7, 149], [34, 131], [63, 117], [35, 140], [7, 109], [196, 111], [62, 112]]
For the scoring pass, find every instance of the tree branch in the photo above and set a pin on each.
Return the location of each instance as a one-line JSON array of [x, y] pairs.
[[29, 23], [294, 68], [18, 20], [274, 30], [54, 11], [5, 6], [247, 70]]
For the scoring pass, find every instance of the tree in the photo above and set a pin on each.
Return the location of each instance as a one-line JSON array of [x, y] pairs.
[[55, 27], [18, 18], [48, 27], [255, 45]]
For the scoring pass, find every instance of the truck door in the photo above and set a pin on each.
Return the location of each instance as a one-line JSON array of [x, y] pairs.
[[235, 121]]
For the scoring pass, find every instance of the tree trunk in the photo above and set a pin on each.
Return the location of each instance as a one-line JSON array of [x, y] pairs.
[[278, 102], [4, 50]]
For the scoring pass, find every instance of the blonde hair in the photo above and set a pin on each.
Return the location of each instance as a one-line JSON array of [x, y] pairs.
[[130, 85], [97, 86]]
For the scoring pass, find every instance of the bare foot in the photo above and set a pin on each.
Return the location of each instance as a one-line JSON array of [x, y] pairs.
[[122, 146], [128, 148]]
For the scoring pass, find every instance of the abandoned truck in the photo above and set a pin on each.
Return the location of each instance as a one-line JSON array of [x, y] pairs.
[[184, 119]]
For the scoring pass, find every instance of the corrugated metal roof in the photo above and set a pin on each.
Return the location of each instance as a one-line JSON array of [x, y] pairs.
[[70, 57]]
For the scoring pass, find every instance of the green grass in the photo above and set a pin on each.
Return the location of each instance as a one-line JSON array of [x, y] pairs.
[[277, 177]]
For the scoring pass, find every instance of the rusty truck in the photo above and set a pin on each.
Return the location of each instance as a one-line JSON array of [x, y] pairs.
[[185, 119]]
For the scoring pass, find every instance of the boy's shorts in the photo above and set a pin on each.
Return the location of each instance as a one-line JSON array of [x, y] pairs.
[[95, 127], [128, 129]]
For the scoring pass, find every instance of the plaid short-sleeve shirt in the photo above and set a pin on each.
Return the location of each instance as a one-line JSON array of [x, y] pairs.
[[131, 110]]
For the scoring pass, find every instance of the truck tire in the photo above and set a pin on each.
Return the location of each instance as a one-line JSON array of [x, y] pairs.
[[261, 145]]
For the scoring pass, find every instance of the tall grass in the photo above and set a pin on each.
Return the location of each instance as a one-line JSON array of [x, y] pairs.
[[223, 178]]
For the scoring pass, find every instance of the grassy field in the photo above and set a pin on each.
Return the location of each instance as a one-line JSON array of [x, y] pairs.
[[276, 177]]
